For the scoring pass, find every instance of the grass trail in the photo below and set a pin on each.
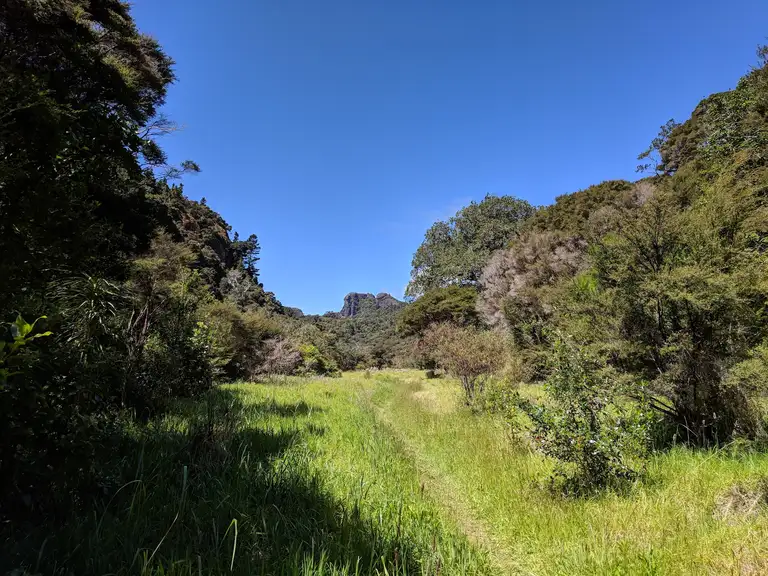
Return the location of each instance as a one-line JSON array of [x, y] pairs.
[[292, 478], [445, 491], [666, 525], [384, 475]]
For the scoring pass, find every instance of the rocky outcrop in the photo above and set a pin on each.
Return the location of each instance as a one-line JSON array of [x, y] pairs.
[[387, 301], [356, 303]]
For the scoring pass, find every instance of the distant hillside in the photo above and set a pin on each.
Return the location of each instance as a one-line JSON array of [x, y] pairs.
[[361, 334], [219, 259]]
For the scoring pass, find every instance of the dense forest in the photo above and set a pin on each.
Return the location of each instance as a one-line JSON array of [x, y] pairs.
[[640, 307]]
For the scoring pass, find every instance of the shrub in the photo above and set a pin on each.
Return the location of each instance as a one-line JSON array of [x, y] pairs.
[[281, 357], [239, 344], [469, 354], [597, 437], [20, 334], [515, 281], [314, 362], [745, 386]]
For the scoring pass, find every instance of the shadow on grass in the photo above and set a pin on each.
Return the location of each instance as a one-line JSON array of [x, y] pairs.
[[215, 498]]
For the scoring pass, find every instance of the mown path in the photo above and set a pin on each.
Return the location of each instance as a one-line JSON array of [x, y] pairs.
[[494, 490], [444, 491], [443, 488]]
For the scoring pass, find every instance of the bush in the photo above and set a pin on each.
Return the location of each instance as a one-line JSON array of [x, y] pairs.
[[239, 343], [281, 357], [314, 362], [469, 354], [745, 386], [597, 437]]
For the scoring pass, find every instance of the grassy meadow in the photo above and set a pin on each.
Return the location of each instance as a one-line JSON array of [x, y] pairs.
[[384, 473]]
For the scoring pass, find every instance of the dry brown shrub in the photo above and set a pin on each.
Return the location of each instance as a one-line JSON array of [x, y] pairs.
[[537, 259]]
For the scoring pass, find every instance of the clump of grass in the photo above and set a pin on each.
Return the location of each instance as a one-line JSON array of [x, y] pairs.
[[742, 501]]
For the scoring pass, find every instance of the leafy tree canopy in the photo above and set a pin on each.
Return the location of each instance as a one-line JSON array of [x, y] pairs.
[[452, 304], [455, 251]]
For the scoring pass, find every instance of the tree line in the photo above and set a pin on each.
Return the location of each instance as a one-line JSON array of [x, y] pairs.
[[650, 294]]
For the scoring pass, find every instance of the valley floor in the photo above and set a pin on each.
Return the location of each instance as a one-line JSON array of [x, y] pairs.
[[389, 474]]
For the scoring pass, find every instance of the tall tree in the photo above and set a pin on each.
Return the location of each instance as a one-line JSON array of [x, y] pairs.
[[454, 252], [79, 89], [247, 251]]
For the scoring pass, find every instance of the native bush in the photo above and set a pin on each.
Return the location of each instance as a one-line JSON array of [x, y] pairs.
[[455, 251], [314, 362], [597, 437], [469, 354], [280, 357], [454, 304]]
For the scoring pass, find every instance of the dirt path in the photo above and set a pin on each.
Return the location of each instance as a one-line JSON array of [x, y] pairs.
[[447, 494]]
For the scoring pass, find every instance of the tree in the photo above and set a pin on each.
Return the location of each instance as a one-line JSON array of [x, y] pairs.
[[247, 252], [688, 301], [454, 252], [658, 153], [469, 354], [453, 304], [78, 86]]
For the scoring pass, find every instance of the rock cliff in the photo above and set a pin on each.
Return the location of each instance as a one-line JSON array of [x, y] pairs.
[[357, 303]]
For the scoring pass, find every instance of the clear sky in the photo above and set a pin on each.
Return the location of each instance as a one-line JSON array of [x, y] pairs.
[[338, 131]]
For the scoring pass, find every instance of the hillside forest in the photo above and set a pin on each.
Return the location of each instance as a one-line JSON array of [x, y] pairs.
[[577, 388]]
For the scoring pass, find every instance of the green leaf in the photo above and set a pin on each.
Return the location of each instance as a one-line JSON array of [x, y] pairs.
[[48, 333], [22, 327]]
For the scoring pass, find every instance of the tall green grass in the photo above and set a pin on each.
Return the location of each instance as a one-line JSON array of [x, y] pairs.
[[668, 524], [280, 479], [386, 475]]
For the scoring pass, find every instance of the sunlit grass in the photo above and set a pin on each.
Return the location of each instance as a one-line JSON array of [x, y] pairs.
[[664, 525], [388, 474], [289, 478]]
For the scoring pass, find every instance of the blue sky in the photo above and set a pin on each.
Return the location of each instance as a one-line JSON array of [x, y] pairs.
[[339, 131]]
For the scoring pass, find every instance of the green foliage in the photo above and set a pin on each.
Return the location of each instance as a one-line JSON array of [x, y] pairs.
[[722, 125], [89, 310], [239, 337], [316, 363], [571, 213], [455, 251], [368, 339], [686, 295], [148, 297], [21, 334], [663, 280], [454, 304], [75, 85], [597, 439], [471, 355], [656, 150], [247, 251]]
